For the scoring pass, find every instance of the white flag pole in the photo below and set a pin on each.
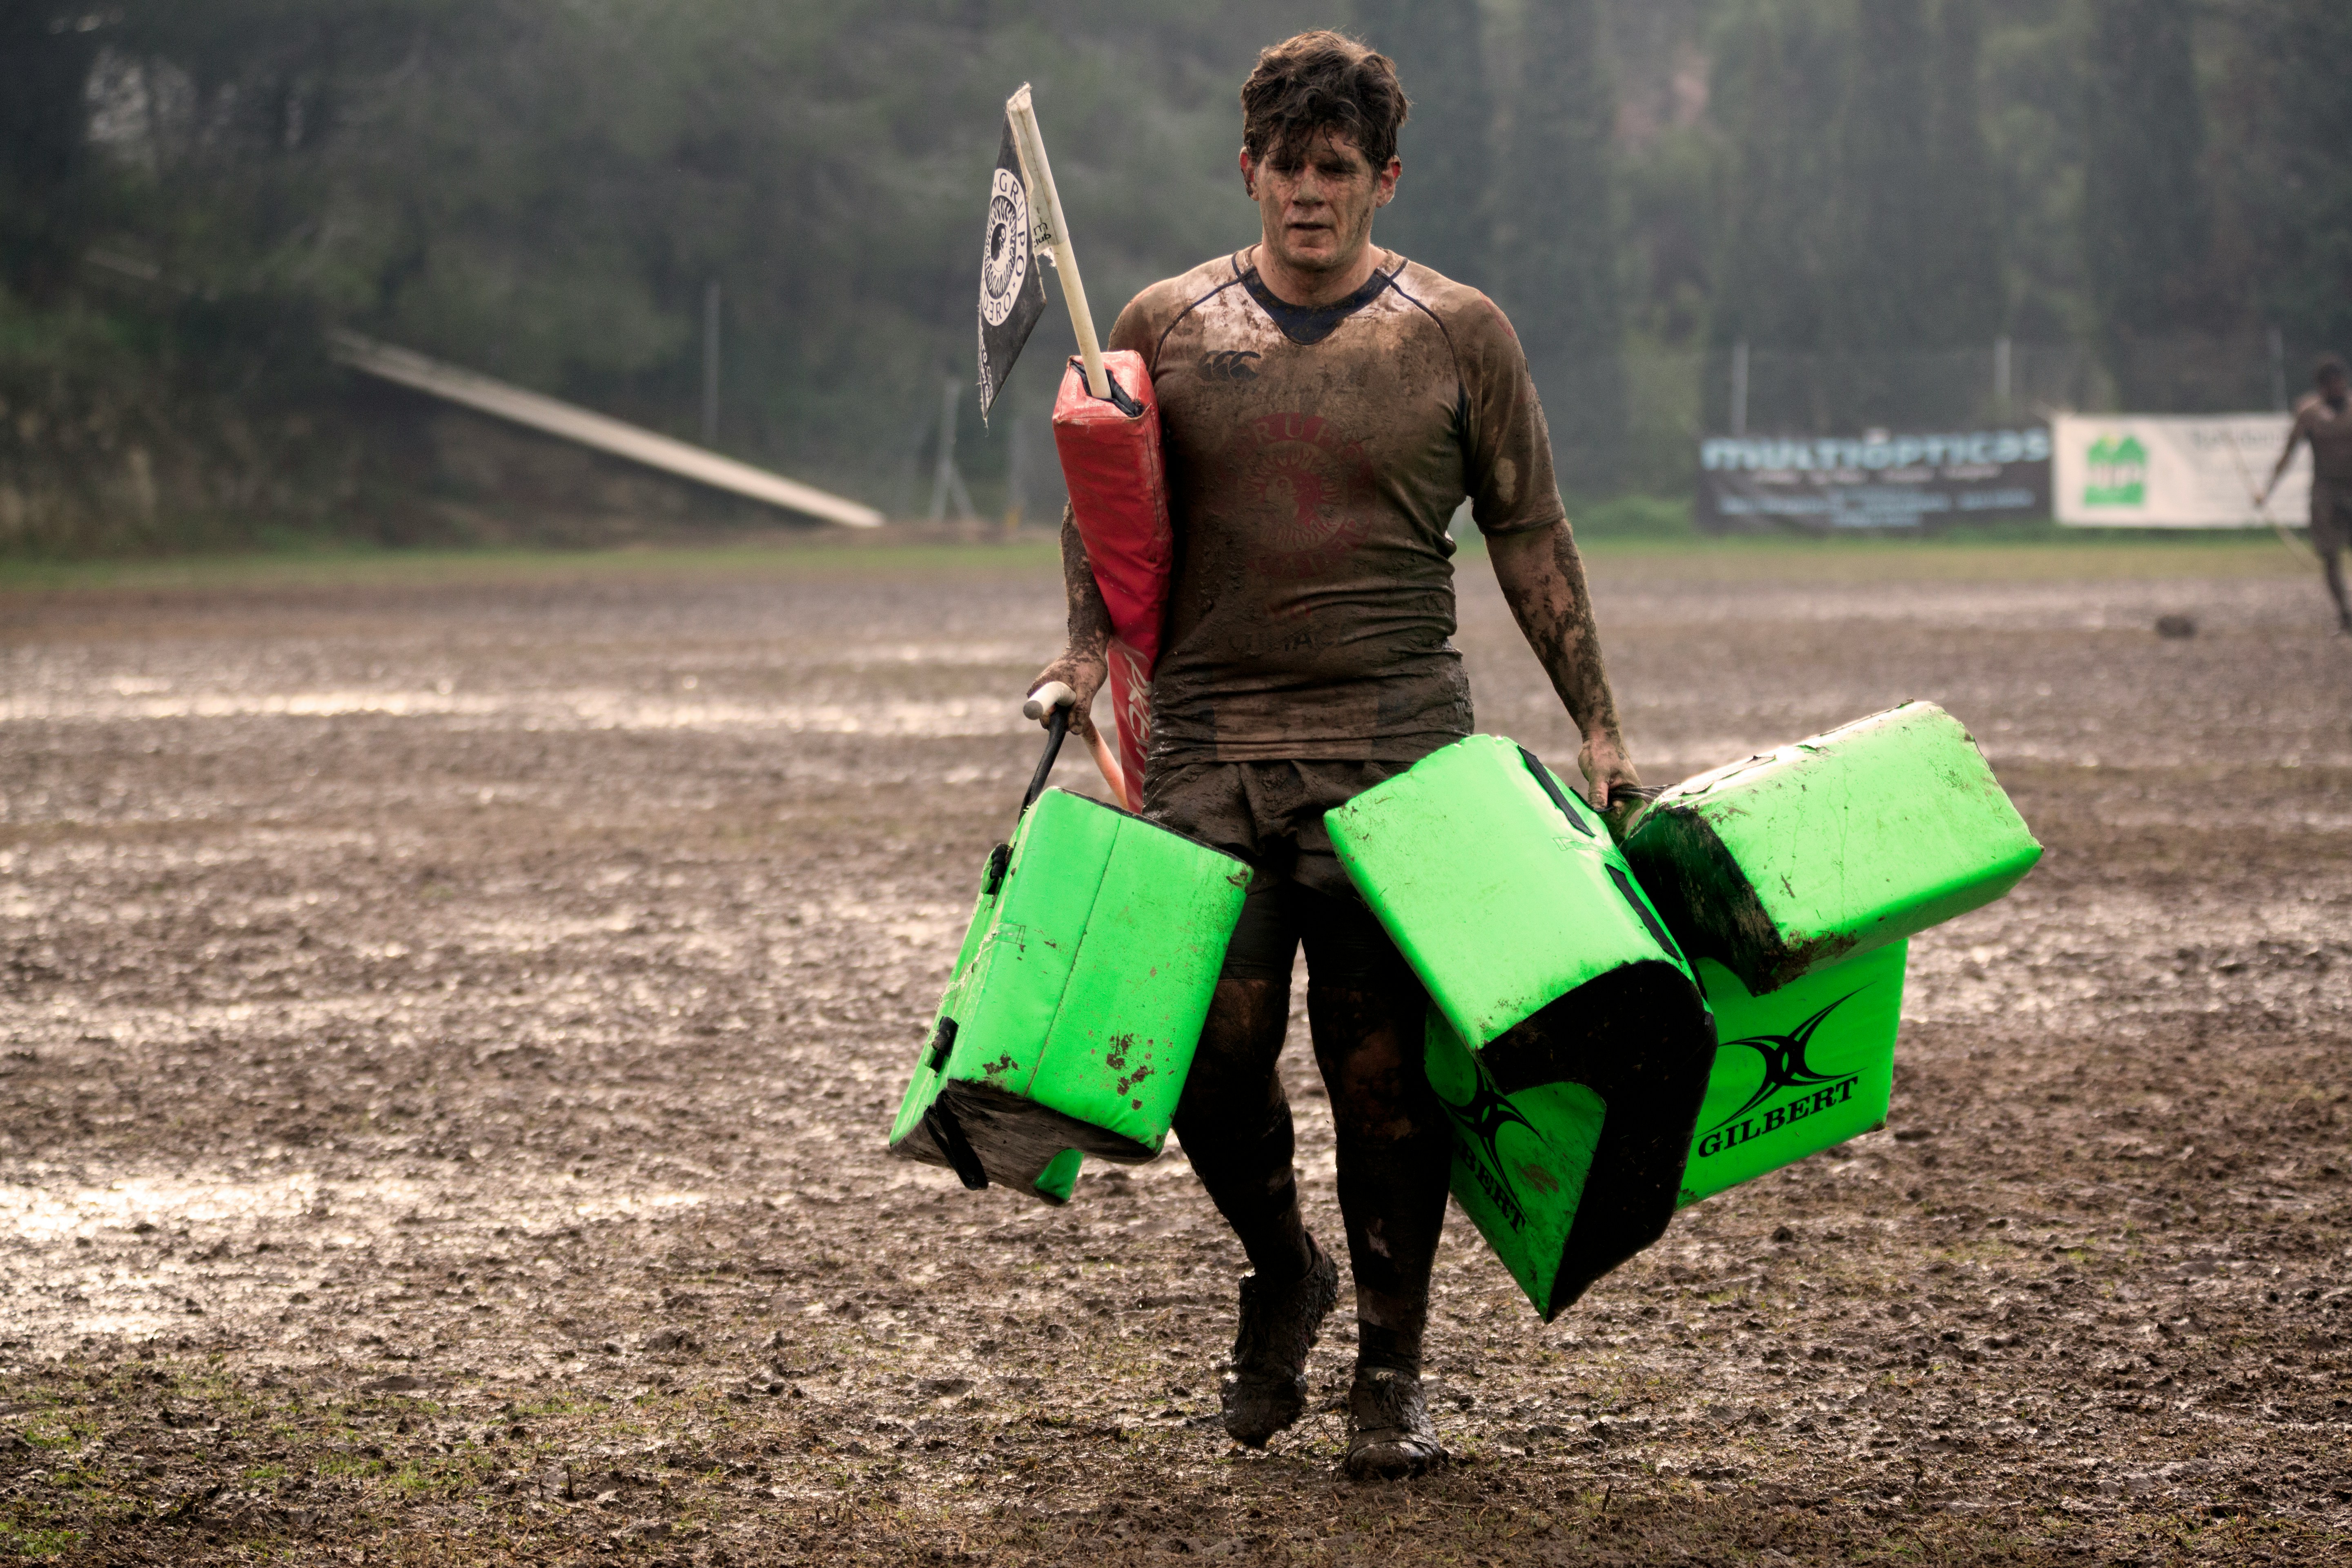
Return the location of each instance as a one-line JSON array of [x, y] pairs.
[[1046, 202]]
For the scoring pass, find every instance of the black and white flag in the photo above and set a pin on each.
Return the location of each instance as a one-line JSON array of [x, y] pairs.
[[1012, 294]]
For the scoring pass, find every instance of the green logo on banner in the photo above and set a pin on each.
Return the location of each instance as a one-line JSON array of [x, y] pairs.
[[2118, 472]]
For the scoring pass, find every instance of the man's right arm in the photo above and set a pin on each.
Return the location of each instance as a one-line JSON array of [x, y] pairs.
[[1082, 665]]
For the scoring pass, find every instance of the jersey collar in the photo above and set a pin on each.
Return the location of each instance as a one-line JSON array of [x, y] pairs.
[[1309, 325]]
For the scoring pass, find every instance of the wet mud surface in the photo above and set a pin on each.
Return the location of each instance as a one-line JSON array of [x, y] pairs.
[[447, 1034]]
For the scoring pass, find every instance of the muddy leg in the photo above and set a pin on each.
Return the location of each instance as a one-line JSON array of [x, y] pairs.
[[1395, 1153], [2331, 566], [1234, 1123]]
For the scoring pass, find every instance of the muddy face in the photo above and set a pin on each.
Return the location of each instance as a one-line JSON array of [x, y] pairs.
[[1316, 205]]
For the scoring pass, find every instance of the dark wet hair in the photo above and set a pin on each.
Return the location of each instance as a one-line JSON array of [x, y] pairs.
[[2329, 365], [1321, 82]]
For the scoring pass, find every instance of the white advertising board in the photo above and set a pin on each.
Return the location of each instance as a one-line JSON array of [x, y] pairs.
[[2150, 470]]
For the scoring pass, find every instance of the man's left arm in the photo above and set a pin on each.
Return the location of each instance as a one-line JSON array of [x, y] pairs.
[[1543, 579], [1515, 497]]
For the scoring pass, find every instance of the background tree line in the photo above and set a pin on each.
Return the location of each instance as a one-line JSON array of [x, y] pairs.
[[545, 192]]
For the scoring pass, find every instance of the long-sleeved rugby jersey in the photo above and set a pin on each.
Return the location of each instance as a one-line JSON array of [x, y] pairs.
[[1315, 457]]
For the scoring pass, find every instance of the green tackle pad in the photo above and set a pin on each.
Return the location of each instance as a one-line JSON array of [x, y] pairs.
[[1798, 1070], [1803, 858], [1570, 1128], [1077, 1002], [1567, 1038], [1502, 889]]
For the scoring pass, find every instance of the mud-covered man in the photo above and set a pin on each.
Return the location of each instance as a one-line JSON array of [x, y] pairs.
[[1327, 404], [2324, 420]]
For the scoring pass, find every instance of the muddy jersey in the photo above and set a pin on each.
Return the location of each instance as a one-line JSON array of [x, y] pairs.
[[1315, 457]]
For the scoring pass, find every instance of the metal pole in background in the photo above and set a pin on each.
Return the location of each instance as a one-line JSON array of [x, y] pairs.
[[1740, 387], [943, 470], [947, 480], [1017, 478], [710, 364], [2278, 372], [2000, 373]]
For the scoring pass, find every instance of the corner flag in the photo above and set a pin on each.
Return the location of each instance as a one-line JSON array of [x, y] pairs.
[[1012, 294]]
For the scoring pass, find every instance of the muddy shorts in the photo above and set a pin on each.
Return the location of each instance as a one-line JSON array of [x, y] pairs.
[[2331, 515], [1271, 815]]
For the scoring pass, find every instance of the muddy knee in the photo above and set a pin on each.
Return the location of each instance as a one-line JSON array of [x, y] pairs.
[[1369, 1044], [1233, 1072]]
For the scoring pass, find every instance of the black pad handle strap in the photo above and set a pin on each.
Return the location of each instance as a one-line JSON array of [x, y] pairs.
[[1057, 730], [1129, 406], [1551, 787], [947, 1133]]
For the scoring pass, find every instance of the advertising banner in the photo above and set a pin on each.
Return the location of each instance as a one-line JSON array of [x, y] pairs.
[[1878, 480], [2148, 470]]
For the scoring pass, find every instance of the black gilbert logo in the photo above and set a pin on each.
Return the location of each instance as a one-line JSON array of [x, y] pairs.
[[1480, 1121], [1784, 1069]]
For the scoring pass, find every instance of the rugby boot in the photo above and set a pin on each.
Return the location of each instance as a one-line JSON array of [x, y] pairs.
[[1267, 1389], [1389, 1431]]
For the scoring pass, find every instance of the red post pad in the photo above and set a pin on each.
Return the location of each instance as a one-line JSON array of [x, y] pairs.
[[1119, 495]]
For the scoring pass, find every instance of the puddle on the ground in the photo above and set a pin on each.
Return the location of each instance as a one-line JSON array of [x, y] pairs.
[[51, 1214]]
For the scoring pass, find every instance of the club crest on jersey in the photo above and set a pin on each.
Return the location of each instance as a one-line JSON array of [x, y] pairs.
[[1316, 486]]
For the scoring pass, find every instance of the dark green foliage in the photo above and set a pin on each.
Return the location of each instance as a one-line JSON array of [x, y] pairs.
[[1890, 203], [1962, 292], [1779, 74], [2032, 78], [1889, 236], [47, 197], [1440, 217], [544, 192], [1556, 236], [1666, 154], [2147, 214], [2284, 114]]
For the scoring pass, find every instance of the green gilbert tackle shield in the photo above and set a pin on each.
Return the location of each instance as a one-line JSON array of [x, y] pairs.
[[1802, 857], [1567, 1038], [1520, 1161], [1797, 1069], [1501, 889], [1077, 1002]]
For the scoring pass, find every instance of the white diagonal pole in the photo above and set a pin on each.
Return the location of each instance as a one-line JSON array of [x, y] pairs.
[[1046, 202], [449, 381]]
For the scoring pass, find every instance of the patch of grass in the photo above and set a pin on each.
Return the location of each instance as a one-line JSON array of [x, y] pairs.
[[377, 568], [35, 1543], [1617, 534], [1948, 558], [55, 1433], [1653, 518]]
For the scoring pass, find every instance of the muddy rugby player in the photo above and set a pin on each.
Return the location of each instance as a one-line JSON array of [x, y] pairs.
[[2324, 420], [1327, 406]]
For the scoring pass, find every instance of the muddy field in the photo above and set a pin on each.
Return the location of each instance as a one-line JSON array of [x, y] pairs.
[[449, 1012]]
